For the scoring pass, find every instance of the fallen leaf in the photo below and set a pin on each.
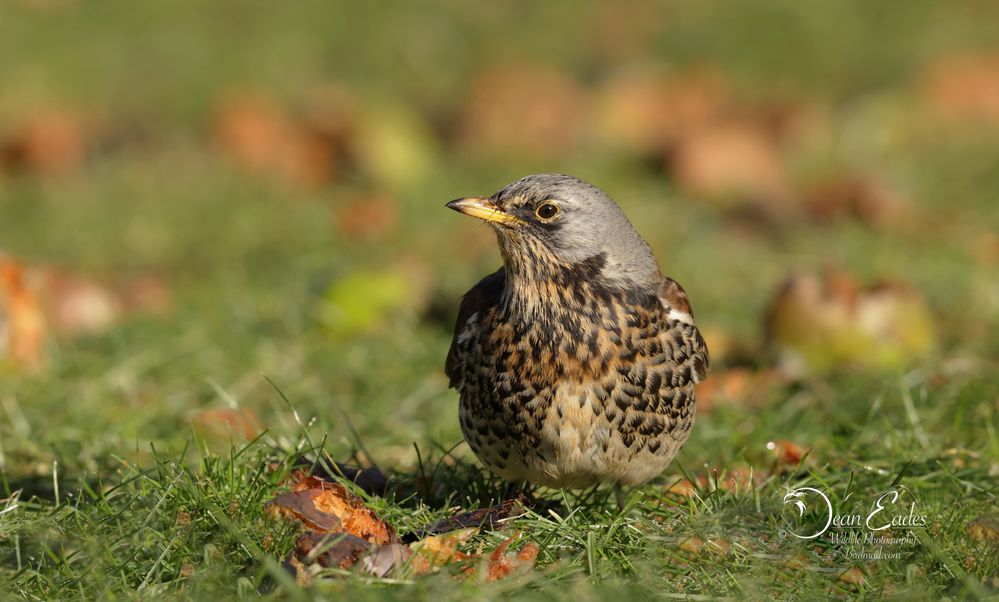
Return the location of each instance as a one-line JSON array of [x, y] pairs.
[[523, 109], [692, 544], [370, 479], [225, 423], [146, 293], [501, 564], [395, 146], [264, 138], [732, 164], [965, 88], [316, 551], [367, 299], [78, 305], [647, 112], [366, 217], [985, 528], [326, 507], [385, 559], [798, 561], [482, 518], [719, 546], [47, 142], [862, 198], [435, 551], [818, 324], [735, 387], [23, 326], [853, 576], [787, 453]]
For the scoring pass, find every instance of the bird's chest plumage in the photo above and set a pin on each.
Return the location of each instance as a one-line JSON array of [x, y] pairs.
[[570, 387]]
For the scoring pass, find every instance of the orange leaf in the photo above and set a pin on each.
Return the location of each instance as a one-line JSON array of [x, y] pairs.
[[329, 508]]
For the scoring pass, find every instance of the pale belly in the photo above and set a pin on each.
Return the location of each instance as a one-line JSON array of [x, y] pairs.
[[583, 441]]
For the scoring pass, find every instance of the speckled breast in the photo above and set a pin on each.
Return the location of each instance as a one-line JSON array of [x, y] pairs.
[[578, 394]]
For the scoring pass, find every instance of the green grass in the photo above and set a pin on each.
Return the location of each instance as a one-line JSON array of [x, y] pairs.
[[112, 494]]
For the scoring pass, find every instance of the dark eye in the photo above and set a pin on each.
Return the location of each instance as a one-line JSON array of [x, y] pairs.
[[546, 211]]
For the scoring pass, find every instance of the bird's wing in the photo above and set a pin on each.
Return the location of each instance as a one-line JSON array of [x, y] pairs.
[[675, 300], [479, 298]]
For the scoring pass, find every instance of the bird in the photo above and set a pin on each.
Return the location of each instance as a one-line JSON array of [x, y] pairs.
[[575, 362]]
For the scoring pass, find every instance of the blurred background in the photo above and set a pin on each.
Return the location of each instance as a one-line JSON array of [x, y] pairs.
[[196, 197]]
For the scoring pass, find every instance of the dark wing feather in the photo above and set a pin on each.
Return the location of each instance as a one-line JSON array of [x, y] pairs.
[[673, 295], [478, 299]]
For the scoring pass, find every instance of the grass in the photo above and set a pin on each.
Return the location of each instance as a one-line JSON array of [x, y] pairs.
[[112, 493]]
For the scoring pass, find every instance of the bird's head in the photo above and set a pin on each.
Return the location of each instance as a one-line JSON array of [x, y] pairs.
[[549, 223]]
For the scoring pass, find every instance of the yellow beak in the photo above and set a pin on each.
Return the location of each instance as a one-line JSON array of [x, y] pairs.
[[483, 209]]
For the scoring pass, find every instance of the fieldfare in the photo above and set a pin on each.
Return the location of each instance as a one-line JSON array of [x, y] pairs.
[[576, 361]]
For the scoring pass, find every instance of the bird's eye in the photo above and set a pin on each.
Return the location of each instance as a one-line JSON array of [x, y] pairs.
[[546, 211]]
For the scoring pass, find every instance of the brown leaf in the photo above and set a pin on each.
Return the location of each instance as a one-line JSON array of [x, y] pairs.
[[523, 109], [264, 138], [385, 559], [367, 217], [819, 323], [692, 544], [853, 576], [146, 293], [23, 326], [224, 423], [501, 564], [436, 551], [327, 507], [78, 305], [732, 163], [48, 142], [965, 88], [787, 453], [370, 479], [483, 518], [862, 198], [735, 387], [985, 528], [646, 112], [315, 551]]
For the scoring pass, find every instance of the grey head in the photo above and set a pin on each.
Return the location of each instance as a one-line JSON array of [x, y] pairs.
[[560, 218]]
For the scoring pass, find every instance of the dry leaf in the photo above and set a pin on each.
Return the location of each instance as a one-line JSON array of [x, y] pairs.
[[436, 551], [483, 518], [735, 386], [817, 324], [522, 109], [501, 564], [863, 198], [370, 479], [78, 305], [787, 453], [853, 576], [48, 142], [646, 112], [693, 544], [23, 326], [326, 507], [384, 559], [225, 423], [985, 528], [965, 88], [732, 163], [264, 138], [367, 217]]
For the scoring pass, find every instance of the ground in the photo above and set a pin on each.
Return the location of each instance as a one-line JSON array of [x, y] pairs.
[[298, 303]]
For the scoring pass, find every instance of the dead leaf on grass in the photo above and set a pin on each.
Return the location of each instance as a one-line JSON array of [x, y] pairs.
[[501, 564], [821, 323], [326, 507], [985, 528]]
